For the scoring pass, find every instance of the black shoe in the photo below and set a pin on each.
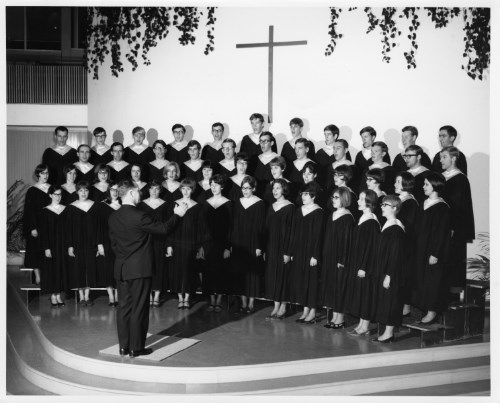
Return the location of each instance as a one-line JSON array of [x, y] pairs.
[[124, 351], [137, 353], [328, 325], [309, 322], [61, 303], [389, 340], [338, 325], [89, 302]]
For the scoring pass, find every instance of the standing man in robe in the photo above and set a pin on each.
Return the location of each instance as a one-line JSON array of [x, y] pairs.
[[57, 157], [409, 136], [447, 136]]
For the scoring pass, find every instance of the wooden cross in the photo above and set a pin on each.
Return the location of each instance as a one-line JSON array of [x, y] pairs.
[[271, 44]]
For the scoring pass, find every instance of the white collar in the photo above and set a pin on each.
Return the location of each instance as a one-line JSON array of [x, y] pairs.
[[159, 163], [117, 165], [255, 138], [101, 149], [138, 149], [237, 180], [205, 184], [299, 164], [309, 209], [266, 158], [62, 150], [407, 196], [431, 202], [139, 184], [328, 149], [228, 164], [418, 170], [99, 186], [115, 204], [391, 222], [44, 187], [179, 146], [340, 213], [154, 203], [194, 165], [366, 217], [380, 193], [277, 206], [367, 153], [84, 206], [58, 208], [380, 165], [171, 186], [450, 174], [65, 187], [215, 145], [344, 161], [83, 166], [216, 203], [247, 202]]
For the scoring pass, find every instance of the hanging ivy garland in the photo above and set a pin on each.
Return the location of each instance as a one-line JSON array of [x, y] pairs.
[[141, 28], [476, 29]]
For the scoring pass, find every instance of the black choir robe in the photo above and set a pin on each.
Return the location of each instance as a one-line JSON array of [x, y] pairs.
[[461, 163], [288, 153], [96, 158], [56, 162], [180, 156], [399, 163], [210, 153], [119, 175]]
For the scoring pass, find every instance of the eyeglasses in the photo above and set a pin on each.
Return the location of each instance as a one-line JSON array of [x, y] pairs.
[[386, 204], [406, 156], [264, 141]]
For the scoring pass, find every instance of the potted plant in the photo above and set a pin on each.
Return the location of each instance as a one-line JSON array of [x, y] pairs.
[[478, 267]]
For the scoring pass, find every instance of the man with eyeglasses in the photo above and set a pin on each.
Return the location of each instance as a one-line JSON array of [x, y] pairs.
[[227, 166], [413, 158], [262, 161], [178, 150], [447, 136], [213, 151], [100, 152], [409, 136], [58, 156]]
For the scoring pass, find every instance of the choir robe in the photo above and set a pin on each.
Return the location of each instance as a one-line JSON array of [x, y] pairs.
[[364, 245], [192, 172], [262, 173], [201, 194], [185, 239], [234, 193], [324, 158], [378, 210], [218, 224], [305, 242], [294, 171], [457, 194], [336, 248], [409, 215], [387, 186], [81, 234], [96, 194], [268, 197], [223, 169], [353, 207], [288, 153], [330, 180], [156, 173], [51, 233], [180, 156], [142, 159], [418, 190], [252, 149], [461, 163], [389, 262], [433, 239], [247, 236], [399, 163], [67, 197], [88, 176], [119, 175], [321, 198], [35, 200], [210, 153], [159, 281], [56, 162], [277, 274], [96, 158], [104, 264], [364, 164], [170, 196]]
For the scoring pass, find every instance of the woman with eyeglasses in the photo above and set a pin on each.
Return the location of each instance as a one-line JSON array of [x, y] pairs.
[[184, 246], [235, 192], [106, 258], [53, 265], [35, 200], [247, 244], [101, 183], [342, 176], [278, 226], [362, 264], [310, 175], [375, 179], [334, 263], [432, 248], [304, 250], [157, 166], [408, 215]]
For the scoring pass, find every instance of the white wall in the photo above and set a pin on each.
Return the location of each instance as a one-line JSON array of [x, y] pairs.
[[352, 88], [47, 115]]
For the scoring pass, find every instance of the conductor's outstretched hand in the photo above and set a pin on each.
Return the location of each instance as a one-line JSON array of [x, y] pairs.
[[180, 209]]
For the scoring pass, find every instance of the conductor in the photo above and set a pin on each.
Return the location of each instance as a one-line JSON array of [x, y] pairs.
[[130, 231]]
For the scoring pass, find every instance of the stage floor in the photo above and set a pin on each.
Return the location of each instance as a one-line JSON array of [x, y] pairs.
[[227, 338]]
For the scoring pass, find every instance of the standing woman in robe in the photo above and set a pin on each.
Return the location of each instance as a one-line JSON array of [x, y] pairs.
[[375, 179], [278, 226], [159, 210], [68, 188], [310, 174], [36, 199], [217, 215], [53, 265], [171, 186], [184, 246], [101, 185], [236, 180], [408, 215], [203, 188], [336, 248], [106, 258], [362, 263], [158, 164], [304, 250], [247, 243], [81, 240], [137, 179], [433, 241], [389, 265]]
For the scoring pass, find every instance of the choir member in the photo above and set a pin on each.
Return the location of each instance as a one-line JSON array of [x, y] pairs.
[[457, 194], [375, 179], [192, 167], [379, 151], [68, 188], [432, 248], [36, 199], [203, 188], [409, 136], [408, 215], [218, 213], [247, 243], [100, 153], [310, 174], [184, 245], [324, 156], [53, 265], [213, 151], [262, 165], [158, 209], [302, 147], [277, 167], [342, 176], [241, 172], [137, 179], [289, 148], [138, 152], [171, 185], [250, 144], [119, 168], [84, 169], [364, 157], [278, 226], [178, 150], [227, 166], [81, 241], [58, 156], [388, 270], [304, 250], [334, 269], [447, 136], [340, 150], [362, 263], [413, 158], [156, 166], [105, 259], [102, 180]]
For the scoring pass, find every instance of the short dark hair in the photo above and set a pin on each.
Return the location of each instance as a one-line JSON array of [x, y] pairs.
[[83, 184], [161, 142], [40, 168], [124, 186], [344, 143], [313, 168], [242, 156], [278, 161], [312, 188], [102, 167], [138, 129], [257, 116], [450, 130], [416, 149], [192, 143], [382, 145], [67, 168], [207, 164], [407, 181], [412, 129], [98, 130], [250, 180], [188, 182], [82, 145], [153, 183], [345, 171], [304, 141], [377, 174], [334, 129], [371, 199], [53, 189], [178, 126], [369, 130], [437, 182], [219, 179], [394, 200], [284, 186], [116, 143], [218, 124], [60, 129], [268, 134], [453, 151], [230, 141], [296, 121]]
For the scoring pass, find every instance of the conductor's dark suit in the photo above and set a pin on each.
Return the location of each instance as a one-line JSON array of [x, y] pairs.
[[130, 230]]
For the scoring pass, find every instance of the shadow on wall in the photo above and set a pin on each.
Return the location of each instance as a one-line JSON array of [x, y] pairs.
[[345, 132], [391, 137], [118, 136], [478, 166], [151, 136]]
